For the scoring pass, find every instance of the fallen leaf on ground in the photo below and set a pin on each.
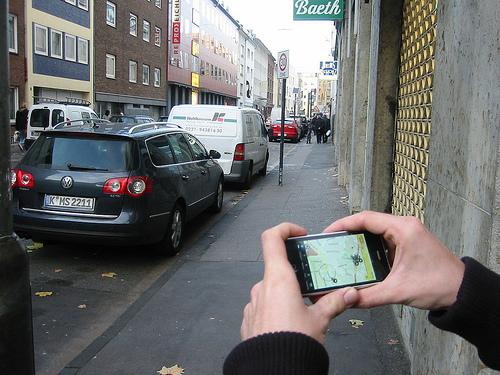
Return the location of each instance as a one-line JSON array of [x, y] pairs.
[[174, 370], [356, 323], [109, 274], [35, 246], [82, 306], [393, 342], [58, 270], [43, 294]]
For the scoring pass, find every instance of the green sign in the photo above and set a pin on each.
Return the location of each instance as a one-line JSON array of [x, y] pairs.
[[318, 9]]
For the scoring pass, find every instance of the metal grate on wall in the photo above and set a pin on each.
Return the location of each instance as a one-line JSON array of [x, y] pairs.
[[413, 118]]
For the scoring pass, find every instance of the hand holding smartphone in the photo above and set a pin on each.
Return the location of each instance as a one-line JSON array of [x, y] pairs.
[[329, 261]]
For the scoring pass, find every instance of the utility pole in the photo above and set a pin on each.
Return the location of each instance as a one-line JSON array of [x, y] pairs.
[[16, 330]]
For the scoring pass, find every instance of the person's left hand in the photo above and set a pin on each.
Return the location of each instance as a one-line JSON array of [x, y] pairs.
[[276, 303]]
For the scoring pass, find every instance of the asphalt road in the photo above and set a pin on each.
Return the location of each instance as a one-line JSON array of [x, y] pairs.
[[78, 290]]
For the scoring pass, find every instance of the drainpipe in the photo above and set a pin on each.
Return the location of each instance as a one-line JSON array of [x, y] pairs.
[[16, 330]]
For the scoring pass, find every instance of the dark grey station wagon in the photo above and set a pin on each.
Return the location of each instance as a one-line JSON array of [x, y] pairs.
[[115, 184]]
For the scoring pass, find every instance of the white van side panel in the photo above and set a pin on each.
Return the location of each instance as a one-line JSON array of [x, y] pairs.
[[222, 128], [217, 127]]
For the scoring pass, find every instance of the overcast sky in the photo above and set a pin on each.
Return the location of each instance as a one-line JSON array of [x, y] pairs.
[[272, 22]]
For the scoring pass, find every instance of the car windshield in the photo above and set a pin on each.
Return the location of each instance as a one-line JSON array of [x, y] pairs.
[[82, 153]]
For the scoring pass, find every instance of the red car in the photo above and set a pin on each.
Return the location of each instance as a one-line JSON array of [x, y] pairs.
[[292, 131]]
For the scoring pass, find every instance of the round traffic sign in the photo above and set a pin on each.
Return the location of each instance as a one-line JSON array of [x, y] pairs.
[[283, 61]]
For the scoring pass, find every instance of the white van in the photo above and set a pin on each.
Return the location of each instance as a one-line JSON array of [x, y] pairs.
[[239, 134], [276, 114], [44, 116]]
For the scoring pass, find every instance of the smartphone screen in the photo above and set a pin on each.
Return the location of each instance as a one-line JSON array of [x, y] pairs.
[[330, 261]]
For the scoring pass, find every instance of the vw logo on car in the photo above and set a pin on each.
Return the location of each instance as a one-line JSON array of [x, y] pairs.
[[67, 182]]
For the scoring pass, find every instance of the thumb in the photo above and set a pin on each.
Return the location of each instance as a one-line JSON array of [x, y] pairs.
[[335, 303]]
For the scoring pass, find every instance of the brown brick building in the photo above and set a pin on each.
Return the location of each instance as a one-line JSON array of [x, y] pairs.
[[17, 57], [131, 56]]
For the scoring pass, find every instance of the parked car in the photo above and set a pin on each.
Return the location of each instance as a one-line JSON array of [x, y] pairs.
[[239, 134], [292, 131], [115, 184], [50, 112], [137, 119]]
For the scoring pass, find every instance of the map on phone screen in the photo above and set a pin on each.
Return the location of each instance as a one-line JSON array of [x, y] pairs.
[[337, 261]]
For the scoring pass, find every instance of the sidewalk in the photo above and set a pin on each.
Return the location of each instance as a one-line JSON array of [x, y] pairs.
[[191, 315]]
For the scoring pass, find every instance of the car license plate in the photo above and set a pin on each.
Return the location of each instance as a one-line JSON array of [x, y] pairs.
[[69, 202]]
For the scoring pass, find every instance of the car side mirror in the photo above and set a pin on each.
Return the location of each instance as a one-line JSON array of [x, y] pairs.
[[214, 154]]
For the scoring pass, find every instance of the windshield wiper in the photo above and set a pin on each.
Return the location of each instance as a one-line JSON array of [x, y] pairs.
[[82, 168]]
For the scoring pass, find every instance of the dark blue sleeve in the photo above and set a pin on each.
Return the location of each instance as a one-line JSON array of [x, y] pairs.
[[286, 353], [475, 315]]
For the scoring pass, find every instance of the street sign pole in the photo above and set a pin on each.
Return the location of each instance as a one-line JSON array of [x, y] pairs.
[[282, 137], [16, 339], [283, 69]]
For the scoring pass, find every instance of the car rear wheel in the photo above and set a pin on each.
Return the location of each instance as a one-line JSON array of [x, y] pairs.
[[248, 179], [172, 241], [219, 197], [263, 171]]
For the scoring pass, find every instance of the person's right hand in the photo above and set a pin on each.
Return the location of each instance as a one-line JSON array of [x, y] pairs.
[[425, 273]]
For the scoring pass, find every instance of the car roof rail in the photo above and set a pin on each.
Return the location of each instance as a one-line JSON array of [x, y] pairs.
[[151, 125], [69, 100], [83, 123]]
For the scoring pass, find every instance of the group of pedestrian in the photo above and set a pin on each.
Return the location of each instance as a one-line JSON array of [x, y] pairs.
[[321, 127]]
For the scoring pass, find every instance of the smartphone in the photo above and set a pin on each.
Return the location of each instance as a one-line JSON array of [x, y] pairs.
[[328, 261]]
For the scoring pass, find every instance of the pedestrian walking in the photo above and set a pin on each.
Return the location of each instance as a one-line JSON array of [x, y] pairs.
[[21, 123], [326, 129], [319, 129]]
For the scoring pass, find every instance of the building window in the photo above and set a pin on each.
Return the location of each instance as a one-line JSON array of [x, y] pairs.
[[133, 24], [158, 3], [196, 64], [56, 44], [14, 103], [145, 31], [111, 13], [12, 33], [157, 36], [83, 51], [72, 2], [41, 40], [132, 71], [157, 77], [70, 47], [145, 74], [110, 66], [83, 4]]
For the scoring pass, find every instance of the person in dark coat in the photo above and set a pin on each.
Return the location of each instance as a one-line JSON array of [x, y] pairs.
[[318, 128], [21, 123], [326, 128]]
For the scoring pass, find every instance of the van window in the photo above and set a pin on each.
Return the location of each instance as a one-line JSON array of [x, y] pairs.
[[57, 116], [39, 118], [249, 125], [85, 115]]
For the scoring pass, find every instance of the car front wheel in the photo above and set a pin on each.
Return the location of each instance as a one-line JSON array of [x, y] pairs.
[[219, 197]]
